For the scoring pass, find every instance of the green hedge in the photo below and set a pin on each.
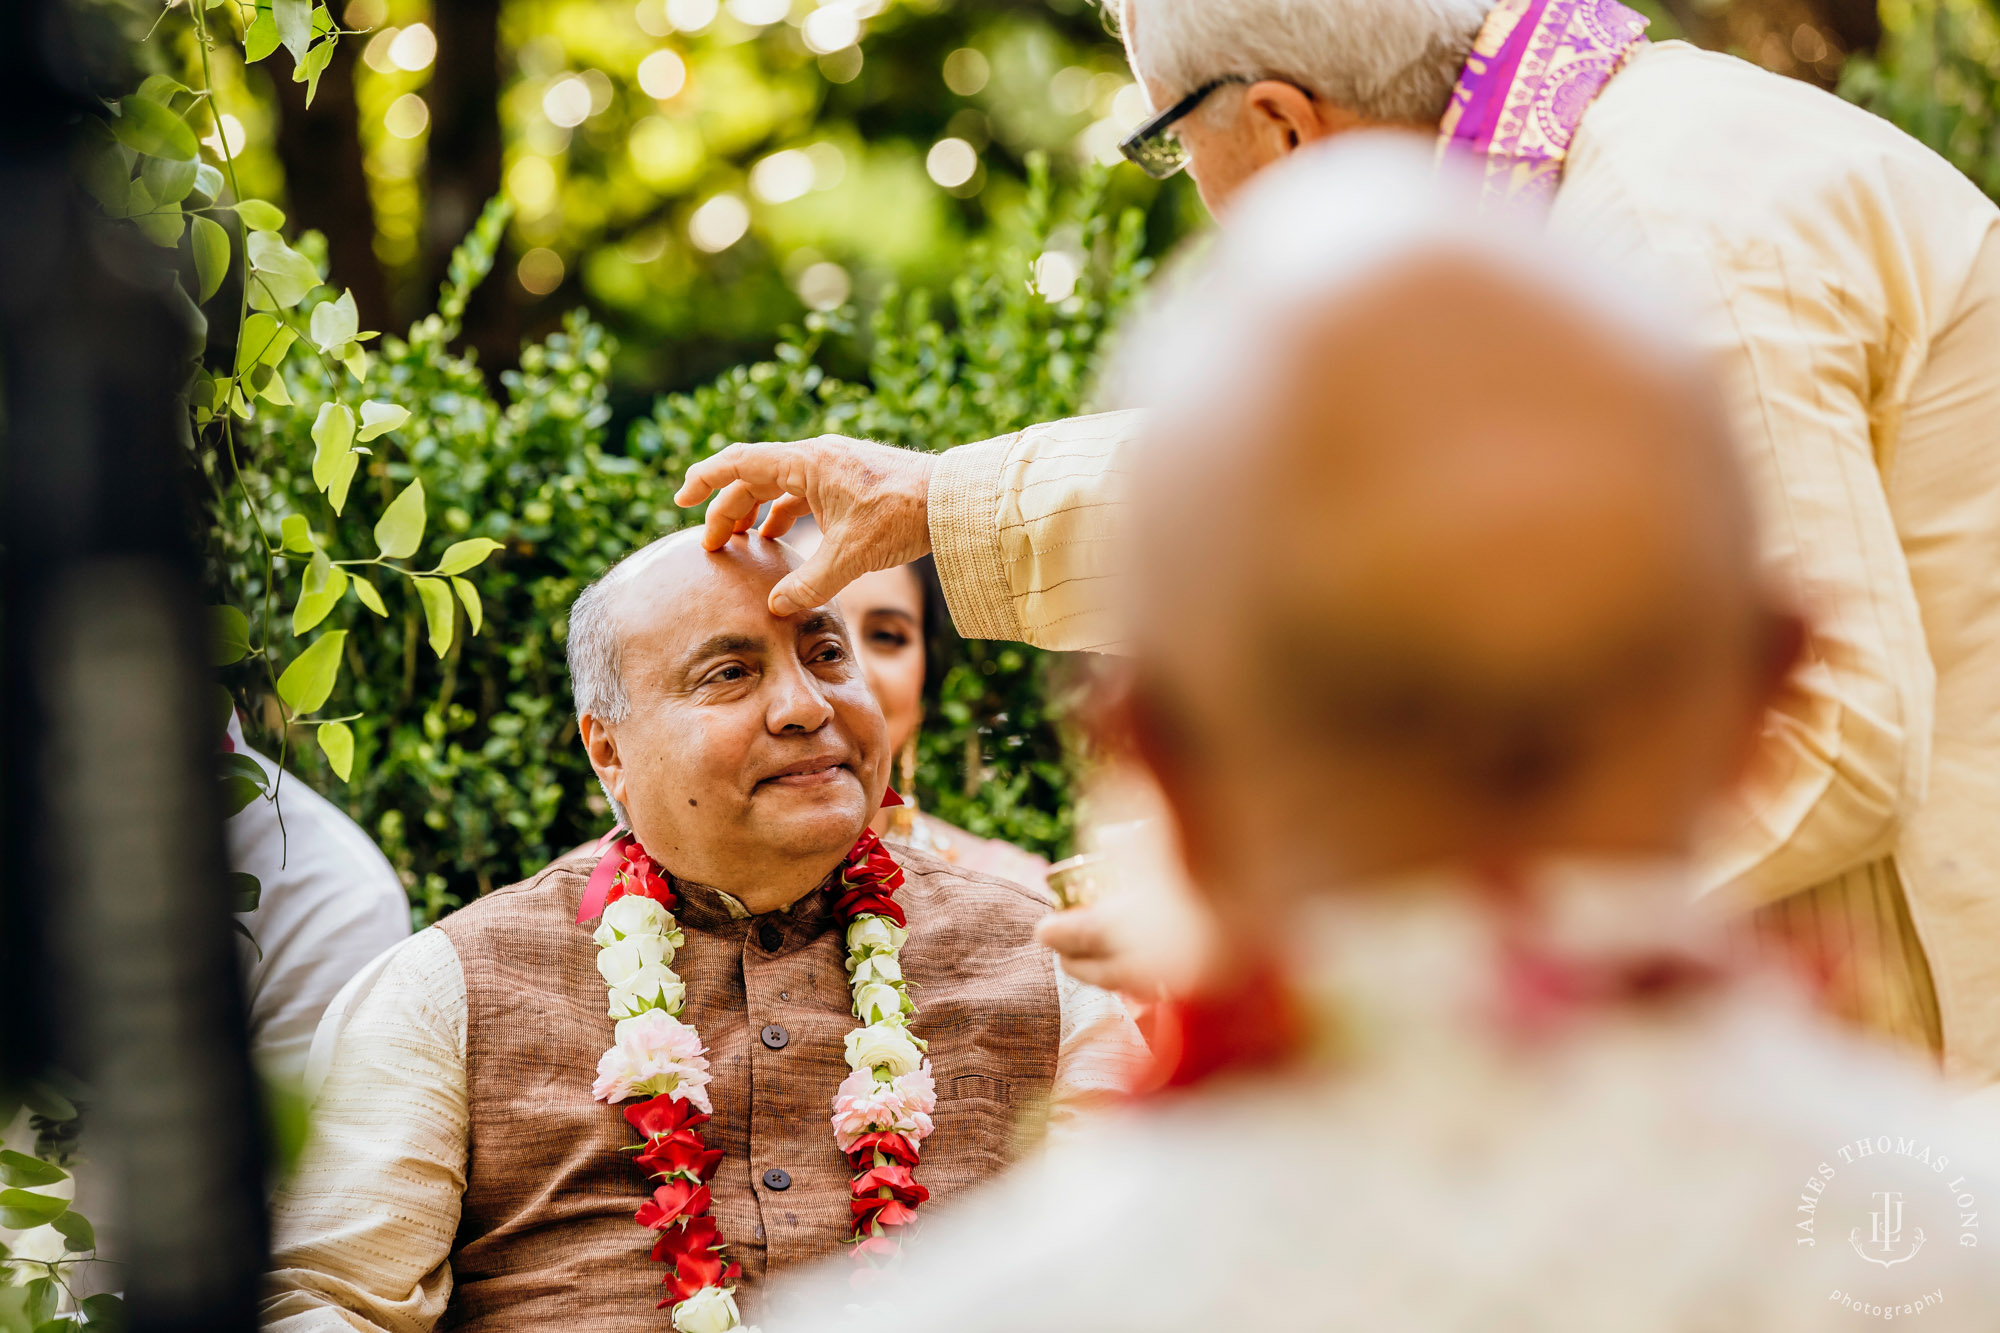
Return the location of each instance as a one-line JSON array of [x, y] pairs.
[[467, 769]]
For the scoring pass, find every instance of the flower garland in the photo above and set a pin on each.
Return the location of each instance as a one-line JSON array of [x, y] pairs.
[[881, 1111]]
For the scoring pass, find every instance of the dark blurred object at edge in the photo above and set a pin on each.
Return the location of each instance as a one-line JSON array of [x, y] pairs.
[[114, 918]]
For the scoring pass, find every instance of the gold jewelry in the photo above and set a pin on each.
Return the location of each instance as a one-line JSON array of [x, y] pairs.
[[903, 818]]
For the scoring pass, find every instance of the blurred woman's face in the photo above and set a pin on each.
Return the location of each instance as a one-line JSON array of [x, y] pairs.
[[885, 615]]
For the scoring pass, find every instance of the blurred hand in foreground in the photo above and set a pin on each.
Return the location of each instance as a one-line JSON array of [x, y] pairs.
[[871, 501], [1149, 940]]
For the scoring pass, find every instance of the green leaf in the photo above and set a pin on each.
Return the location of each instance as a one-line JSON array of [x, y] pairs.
[[333, 434], [243, 781], [41, 1300], [260, 216], [211, 255], [378, 418], [334, 323], [228, 635], [163, 225], [470, 596], [106, 1312], [297, 534], [313, 606], [294, 20], [77, 1233], [286, 274], [49, 1103], [365, 591], [169, 178], [208, 182], [356, 360], [224, 705], [263, 342], [102, 166], [261, 37], [312, 67], [145, 126], [245, 891], [159, 88], [461, 556], [343, 476], [308, 681], [18, 1168], [20, 1210], [439, 612], [272, 389], [401, 529], [338, 743], [237, 793]]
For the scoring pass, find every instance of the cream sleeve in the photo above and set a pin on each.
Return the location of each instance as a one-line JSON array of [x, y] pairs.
[[1845, 756], [1025, 530], [361, 1233], [1101, 1056]]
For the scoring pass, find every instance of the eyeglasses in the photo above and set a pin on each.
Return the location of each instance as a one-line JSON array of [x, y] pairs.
[[1154, 147]]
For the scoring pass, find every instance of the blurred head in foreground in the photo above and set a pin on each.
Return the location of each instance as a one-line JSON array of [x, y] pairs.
[[1483, 591], [1447, 633]]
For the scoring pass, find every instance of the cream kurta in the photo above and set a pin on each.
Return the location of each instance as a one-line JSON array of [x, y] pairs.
[[1849, 280]]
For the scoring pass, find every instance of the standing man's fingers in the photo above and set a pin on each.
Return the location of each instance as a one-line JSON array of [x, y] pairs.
[[756, 463], [812, 584], [785, 511], [733, 507]]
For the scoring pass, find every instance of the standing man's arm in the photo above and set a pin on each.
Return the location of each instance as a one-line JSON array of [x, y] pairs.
[[1022, 526], [1846, 753]]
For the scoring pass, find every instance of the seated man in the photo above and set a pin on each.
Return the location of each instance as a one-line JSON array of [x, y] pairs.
[[1437, 725], [472, 1159]]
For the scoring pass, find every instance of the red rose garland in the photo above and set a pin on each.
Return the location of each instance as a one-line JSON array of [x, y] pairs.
[[882, 1111]]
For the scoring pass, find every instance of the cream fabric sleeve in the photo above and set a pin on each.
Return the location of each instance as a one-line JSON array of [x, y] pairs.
[[1846, 751], [361, 1234], [1024, 528], [1101, 1056]]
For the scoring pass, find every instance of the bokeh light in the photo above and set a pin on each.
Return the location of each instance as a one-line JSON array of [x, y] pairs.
[[414, 48], [951, 162], [782, 176], [540, 271], [662, 74], [824, 285], [691, 15], [407, 117], [966, 71], [830, 28], [567, 102], [719, 223]]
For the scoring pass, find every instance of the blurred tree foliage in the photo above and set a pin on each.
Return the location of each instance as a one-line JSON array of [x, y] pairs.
[[467, 769], [700, 172], [1937, 74]]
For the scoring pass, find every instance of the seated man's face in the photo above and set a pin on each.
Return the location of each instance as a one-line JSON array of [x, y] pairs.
[[752, 743]]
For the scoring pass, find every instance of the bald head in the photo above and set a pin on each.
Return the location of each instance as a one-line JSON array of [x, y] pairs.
[[1488, 587]]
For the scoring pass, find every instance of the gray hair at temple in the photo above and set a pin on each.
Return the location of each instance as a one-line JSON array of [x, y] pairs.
[[1389, 60], [595, 679]]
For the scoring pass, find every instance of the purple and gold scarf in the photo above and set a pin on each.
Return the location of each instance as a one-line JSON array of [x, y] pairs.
[[1534, 69]]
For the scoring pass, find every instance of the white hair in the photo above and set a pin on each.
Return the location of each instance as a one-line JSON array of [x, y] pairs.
[[596, 680], [1389, 60]]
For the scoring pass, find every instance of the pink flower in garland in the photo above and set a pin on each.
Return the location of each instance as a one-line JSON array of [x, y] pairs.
[[902, 1105], [655, 1053]]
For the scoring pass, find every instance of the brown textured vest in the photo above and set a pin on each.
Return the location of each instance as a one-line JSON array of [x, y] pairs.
[[546, 1238]]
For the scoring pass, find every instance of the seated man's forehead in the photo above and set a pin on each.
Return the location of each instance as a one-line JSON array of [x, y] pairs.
[[676, 593]]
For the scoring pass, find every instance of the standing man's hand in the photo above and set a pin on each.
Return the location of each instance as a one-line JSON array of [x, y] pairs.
[[872, 502]]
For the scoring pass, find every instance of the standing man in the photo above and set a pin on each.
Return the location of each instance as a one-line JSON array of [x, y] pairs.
[[1849, 282]]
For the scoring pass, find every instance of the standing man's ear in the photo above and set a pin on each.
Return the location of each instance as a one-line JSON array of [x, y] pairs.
[[600, 742]]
